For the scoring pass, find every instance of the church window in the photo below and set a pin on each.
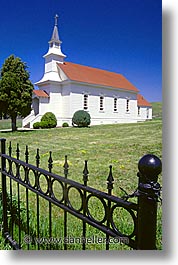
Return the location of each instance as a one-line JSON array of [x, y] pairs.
[[115, 104], [127, 105], [85, 102], [101, 103], [138, 110]]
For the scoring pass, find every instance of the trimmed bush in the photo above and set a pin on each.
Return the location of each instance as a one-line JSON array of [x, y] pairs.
[[65, 124], [49, 119], [36, 125], [81, 118], [44, 125]]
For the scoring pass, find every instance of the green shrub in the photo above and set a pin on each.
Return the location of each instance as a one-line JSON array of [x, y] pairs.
[[65, 124], [44, 125], [81, 118], [36, 125], [49, 119]]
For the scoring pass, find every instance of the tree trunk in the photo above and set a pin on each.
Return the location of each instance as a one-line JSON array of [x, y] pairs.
[[13, 123]]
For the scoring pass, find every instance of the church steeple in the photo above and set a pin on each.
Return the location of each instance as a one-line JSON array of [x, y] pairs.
[[55, 44], [55, 36], [53, 56]]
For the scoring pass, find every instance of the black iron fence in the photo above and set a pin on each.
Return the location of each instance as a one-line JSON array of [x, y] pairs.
[[27, 178]]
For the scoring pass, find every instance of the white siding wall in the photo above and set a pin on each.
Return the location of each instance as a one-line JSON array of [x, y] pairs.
[[145, 113], [68, 97], [50, 65], [53, 103], [43, 105], [65, 105], [150, 113], [107, 115]]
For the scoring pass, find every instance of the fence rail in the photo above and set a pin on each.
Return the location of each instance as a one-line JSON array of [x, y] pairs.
[[43, 184]]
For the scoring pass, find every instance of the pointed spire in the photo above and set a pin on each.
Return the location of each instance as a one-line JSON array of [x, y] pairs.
[[53, 56], [55, 42], [55, 35]]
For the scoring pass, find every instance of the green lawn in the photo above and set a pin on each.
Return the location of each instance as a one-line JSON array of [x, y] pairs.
[[6, 124], [120, 145]]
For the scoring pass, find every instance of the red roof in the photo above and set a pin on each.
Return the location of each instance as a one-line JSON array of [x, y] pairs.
[[141, 101], [41, 93], [86, 74]]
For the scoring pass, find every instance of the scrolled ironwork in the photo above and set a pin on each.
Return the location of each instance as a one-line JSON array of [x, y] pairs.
[[53, 193], [113, 222], [14, 169], [30, 177], [90, 215], [21, 172], [41, 185], [70, 204], [8, 166]]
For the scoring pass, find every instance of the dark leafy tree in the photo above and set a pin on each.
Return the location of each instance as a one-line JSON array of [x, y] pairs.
[[15, 89]]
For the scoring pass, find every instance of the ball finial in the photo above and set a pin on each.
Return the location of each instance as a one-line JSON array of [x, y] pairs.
[[150, 166]]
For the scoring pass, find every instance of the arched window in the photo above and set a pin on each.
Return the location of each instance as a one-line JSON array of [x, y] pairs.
[[127, 105], [115, 104], [101, 103], [85, 102]]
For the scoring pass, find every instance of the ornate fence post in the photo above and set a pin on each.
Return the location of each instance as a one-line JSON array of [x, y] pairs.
[[4, 193], [150, 167]]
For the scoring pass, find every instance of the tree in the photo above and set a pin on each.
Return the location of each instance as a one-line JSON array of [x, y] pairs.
[[15, 89]]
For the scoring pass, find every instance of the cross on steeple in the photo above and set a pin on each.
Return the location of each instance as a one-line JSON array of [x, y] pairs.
[[55, 35], [56, 19], [54, 53]]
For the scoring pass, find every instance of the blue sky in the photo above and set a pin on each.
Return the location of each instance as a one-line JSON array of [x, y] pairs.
[[123, 36]]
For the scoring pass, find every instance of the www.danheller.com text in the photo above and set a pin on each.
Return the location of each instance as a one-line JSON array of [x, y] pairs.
[[75, 240]]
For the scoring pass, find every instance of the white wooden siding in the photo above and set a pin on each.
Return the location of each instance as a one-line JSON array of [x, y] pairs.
[[66, 97]]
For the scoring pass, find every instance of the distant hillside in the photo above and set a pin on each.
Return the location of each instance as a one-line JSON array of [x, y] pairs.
[[157, 110]]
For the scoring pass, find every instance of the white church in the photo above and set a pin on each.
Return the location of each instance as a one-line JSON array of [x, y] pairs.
[[67, 87]]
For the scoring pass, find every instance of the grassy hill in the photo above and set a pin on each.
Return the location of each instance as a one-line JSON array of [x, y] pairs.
[[157, 110]]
